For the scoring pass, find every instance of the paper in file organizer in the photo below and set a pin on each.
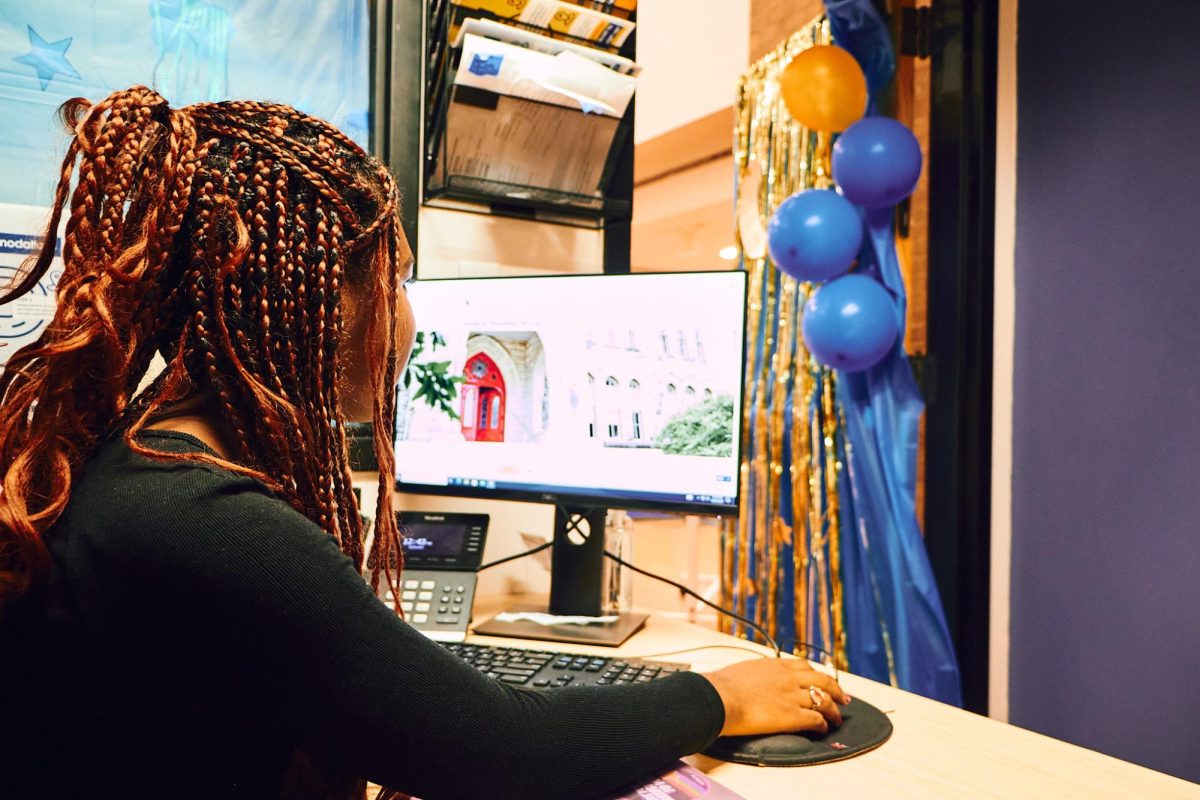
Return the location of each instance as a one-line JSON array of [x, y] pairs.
[[523, 37], [559, 16], [622, 8], [542, 121], [566, 78]]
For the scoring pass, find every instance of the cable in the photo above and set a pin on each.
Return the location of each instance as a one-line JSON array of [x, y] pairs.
[[770, 639], [500, 561], [686, 650]]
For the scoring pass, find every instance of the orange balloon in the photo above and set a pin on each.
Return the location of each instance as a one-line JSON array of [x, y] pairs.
[[824, 88]]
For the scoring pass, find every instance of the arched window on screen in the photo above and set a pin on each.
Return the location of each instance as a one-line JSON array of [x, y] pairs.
[[612, 407], [591, 426], [635, 404], [495, 412]]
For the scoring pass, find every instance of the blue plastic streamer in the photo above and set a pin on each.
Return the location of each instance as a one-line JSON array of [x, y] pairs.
[[893, 614], [888, 583], [857, 27]]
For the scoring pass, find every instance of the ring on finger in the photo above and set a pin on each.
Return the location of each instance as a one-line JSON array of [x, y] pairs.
[[817, 696]]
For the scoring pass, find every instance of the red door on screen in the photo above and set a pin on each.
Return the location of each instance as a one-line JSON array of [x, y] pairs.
[[482, 400]]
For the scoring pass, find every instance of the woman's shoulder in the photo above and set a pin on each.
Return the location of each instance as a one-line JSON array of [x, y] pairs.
[[116, 480], [126, 506]]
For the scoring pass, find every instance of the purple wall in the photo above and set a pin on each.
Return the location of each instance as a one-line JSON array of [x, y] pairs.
[[1106, 484]]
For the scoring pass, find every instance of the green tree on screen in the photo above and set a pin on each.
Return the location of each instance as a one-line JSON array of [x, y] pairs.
[[705, 429]]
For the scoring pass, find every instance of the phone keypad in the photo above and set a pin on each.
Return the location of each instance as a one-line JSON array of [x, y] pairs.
[[437, 602]]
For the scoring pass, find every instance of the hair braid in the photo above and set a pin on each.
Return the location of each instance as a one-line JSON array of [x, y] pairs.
[[122, 147], [106, 121], [382, 329], [264, 187], [277, 136], [223, 236], [347, 514], [300, 255], [319, 300], [317, 180], [61, 392], [241, 109], [165, 215]]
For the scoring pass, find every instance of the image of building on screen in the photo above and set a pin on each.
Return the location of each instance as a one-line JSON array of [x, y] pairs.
[[505, 392], [651, 389], [646, 388], [492, 389]]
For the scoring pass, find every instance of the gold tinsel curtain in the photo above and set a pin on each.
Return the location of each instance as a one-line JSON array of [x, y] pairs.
[[782, 552]]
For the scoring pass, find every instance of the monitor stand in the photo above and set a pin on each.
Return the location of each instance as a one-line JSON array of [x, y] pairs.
[[576, 580]]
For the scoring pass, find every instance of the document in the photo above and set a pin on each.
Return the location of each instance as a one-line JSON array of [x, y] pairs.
[[622, 8], [560, 16], [565, 79], [523, 37]]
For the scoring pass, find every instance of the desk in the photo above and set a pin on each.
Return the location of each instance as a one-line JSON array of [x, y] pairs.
[[936, 750]]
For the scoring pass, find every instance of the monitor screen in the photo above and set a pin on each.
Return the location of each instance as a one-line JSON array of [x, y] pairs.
[[615, 390]]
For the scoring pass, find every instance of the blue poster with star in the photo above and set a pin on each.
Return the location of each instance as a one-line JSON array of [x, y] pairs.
[[312, 54]]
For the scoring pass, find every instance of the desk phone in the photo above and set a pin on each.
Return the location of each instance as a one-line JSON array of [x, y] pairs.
[[441, 553]]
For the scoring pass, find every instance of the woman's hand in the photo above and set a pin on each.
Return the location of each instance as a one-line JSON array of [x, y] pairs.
[[777, 695]]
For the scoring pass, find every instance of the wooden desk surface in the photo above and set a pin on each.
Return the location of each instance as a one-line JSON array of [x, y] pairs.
[[936, 750]]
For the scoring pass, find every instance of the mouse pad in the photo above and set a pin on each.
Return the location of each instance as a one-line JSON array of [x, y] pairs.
[[864, 727]]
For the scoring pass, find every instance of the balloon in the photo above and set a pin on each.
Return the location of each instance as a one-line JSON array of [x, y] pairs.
[[824, 88], [814, 235], [850, 323], [876, 162]]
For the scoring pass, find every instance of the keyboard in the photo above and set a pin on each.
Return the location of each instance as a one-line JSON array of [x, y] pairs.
[[539, 669]]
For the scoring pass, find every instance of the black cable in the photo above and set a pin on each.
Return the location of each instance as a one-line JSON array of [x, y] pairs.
[[726, 612], [500, 561], [770, 639], [698, 648]]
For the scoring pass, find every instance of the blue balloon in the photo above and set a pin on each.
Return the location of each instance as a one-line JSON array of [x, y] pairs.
[[876, 162], [850, 323], [814, 235]]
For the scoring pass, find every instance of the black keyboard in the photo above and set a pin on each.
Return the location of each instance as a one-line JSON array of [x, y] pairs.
[[539, 669]]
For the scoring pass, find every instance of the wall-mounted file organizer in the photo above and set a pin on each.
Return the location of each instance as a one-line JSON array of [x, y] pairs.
[[527, 120]]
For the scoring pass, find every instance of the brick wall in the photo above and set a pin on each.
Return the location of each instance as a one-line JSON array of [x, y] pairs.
[[772, 21]]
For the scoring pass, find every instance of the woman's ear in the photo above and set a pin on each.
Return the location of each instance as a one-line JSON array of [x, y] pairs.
[[354, 376], [355, 310]]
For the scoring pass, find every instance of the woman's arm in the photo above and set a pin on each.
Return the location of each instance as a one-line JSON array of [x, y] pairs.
[[257, 617]]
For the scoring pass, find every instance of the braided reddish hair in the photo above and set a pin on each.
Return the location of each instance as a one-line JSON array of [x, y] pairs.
[[221, 235]]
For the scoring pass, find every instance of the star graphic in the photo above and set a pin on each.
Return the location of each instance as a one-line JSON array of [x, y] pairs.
[[47, 58]]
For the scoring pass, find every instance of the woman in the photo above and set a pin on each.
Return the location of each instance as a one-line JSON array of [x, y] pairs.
[[181, 600]]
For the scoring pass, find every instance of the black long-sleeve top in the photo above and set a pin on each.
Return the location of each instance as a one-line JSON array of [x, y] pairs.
[[196, 631]]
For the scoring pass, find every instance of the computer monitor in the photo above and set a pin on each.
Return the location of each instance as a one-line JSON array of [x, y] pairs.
[[584, 391]]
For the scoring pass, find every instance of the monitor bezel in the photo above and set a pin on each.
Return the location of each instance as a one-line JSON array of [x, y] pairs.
[[602, 500]]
